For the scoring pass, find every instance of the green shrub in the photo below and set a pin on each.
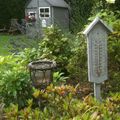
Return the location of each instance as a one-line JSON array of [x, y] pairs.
[[114, 61], [27, 55], [77, 66], [55, 46], [69, 51], [15, 84]]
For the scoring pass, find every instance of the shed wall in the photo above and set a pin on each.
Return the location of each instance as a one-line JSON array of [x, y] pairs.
[[32, 4], [43, 3], [61, 17]]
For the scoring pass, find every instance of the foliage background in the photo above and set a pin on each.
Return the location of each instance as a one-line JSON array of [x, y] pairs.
[[11, 9], [70, 55], [79, 13]]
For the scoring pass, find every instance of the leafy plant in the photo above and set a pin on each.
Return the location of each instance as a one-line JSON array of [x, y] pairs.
[[77, 66], [114, 59], [11, 112], [55, 46], [58, 78], [108, 16], [67, 107], [15, 84]]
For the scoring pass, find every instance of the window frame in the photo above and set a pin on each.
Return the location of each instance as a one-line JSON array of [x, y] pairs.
[[44, 14]]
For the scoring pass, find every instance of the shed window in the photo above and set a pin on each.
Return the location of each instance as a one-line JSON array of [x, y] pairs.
[[32, 14], [44, 12]]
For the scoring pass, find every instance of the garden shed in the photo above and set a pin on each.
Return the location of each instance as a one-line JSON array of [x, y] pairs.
[[48, 12]]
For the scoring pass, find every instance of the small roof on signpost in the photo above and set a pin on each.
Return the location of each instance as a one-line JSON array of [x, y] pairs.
[[91, 26]]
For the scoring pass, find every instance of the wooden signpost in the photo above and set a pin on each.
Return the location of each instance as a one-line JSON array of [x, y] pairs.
[[97, 35]]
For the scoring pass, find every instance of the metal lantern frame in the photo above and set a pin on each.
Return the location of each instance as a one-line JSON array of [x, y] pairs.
[[39, 71]]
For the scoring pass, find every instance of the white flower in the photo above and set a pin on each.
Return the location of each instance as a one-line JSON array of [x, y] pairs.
[[110, 1]]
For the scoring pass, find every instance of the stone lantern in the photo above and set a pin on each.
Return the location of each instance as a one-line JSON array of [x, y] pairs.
[[41, 73]]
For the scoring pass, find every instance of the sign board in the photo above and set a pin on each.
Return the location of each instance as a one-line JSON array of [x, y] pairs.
[[97, 35]]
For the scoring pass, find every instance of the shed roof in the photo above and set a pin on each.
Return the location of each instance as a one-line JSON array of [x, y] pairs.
[[55, 3], [95, 21], [58, 3]]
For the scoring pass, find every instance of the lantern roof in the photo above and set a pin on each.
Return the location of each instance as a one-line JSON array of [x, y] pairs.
[[96, 21], [42, 65]]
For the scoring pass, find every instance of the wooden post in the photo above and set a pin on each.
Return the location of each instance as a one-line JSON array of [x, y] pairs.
[[97, 91]]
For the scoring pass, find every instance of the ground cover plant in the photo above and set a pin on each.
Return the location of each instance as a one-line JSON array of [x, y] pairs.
[[4, 45], [61, 103], [15, 43]]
